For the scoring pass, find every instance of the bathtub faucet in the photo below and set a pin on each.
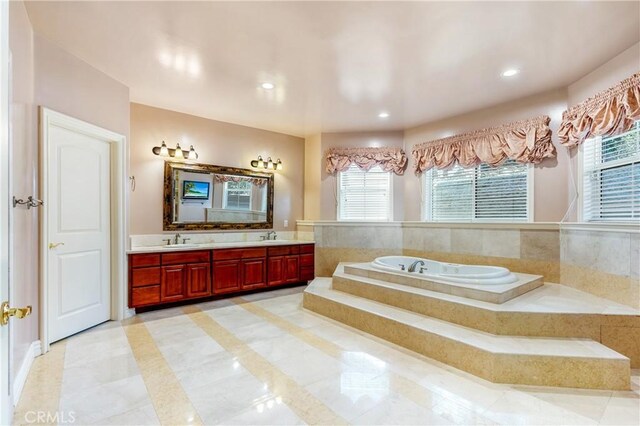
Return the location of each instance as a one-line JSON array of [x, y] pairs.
[[412, 268]]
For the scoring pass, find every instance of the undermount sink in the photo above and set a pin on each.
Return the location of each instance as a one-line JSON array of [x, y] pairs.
[[173, 246]]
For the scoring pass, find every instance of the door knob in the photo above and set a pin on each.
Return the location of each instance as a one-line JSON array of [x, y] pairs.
[[54, 245], [7, 312]]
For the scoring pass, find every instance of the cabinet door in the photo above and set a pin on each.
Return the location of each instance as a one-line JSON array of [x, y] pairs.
[[275, 270], [292, 269], [226, 276], [172, 284], [254, 273], [198, 280]]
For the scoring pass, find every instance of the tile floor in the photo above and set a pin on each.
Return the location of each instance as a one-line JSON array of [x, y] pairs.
[[262, 359]]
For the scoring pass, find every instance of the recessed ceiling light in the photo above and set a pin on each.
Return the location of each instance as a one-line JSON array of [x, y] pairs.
[[268, 86], [510, 72], [383, 115]]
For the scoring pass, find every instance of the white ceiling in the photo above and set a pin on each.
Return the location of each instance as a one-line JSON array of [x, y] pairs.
[[336, 65]]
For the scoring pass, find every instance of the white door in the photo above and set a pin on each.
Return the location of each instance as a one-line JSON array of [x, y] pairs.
[[78, 210]]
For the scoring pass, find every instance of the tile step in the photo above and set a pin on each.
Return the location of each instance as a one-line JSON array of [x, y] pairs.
[[579, 363], [552, 310]]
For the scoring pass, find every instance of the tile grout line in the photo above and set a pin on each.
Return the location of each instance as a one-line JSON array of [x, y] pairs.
[[402, 385], [305, 405], [170, 401], [47, 369]]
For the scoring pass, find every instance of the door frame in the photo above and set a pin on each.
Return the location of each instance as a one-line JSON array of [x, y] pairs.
[[6, 404], [117, 144]]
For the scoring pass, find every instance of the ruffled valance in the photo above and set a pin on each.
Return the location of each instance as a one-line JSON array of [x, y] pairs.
[[233, 178], [525, 141], [610, 112], [389, 159]]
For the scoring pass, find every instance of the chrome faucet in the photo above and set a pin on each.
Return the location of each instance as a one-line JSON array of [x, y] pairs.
[[176, 239], [412, 267], [268, 236]]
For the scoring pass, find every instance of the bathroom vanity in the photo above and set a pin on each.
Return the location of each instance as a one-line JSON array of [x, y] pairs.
[[164, 275]]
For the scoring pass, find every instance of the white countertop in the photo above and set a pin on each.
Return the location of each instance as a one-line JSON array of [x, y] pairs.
[[211, 246]]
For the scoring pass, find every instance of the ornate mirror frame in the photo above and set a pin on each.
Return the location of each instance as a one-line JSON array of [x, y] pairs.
[[167, 221]]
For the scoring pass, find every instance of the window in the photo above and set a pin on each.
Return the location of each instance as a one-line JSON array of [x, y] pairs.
[[237, 195], [611, 177], [364, 195], [481, 193]]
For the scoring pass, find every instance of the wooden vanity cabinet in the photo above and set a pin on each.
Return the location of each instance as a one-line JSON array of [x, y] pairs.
[[168, 277], [157, 278], [239, 269], [198, 280], [173, 283], [307, 262], [284, 265]]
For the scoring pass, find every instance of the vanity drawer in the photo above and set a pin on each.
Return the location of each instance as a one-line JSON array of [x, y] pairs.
[[278, 251], [230, 254], [145, 276], [138, 260], [306, 260], [142, 296], [185, 257], [307, 248]]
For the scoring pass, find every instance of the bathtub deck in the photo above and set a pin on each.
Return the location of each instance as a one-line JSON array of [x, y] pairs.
[[498, 293]]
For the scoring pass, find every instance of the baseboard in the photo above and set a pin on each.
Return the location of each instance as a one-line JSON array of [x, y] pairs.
[[35, 349]]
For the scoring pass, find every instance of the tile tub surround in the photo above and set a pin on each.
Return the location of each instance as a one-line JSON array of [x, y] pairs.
[[531, 248], [393, 386], [549, 311], [486, 293], [602, 263]]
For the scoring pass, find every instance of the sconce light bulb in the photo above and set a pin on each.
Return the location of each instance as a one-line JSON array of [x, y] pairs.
[[260, 161], [269, 163], [192, 153], [178, 152], [164, 151], [278, 165]]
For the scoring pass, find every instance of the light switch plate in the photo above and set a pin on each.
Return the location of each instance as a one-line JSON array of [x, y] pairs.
[[286, 223]]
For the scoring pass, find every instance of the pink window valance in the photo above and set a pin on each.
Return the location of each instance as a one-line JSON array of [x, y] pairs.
[[389, 159], [230, 178], [525, 141], [610, 112]]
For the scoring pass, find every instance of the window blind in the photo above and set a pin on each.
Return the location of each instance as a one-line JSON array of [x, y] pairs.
[[364, 195], [237, 195], [611, 177], [481, 193]]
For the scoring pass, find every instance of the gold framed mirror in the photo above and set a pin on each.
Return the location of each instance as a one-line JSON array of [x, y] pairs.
[[205, 196]]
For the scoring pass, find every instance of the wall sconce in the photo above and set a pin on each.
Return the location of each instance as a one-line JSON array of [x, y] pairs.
[[176, 153], [269, 164]]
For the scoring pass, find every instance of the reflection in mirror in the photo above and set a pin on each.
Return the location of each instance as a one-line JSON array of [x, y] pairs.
[[200, 196]]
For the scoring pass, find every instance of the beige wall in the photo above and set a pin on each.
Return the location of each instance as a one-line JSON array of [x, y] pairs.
[[354, 140], [312, 175], [216, 143], [550, 177], [68, 85], [43, 74], [608, 74], [24, 147], [553, 189]]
